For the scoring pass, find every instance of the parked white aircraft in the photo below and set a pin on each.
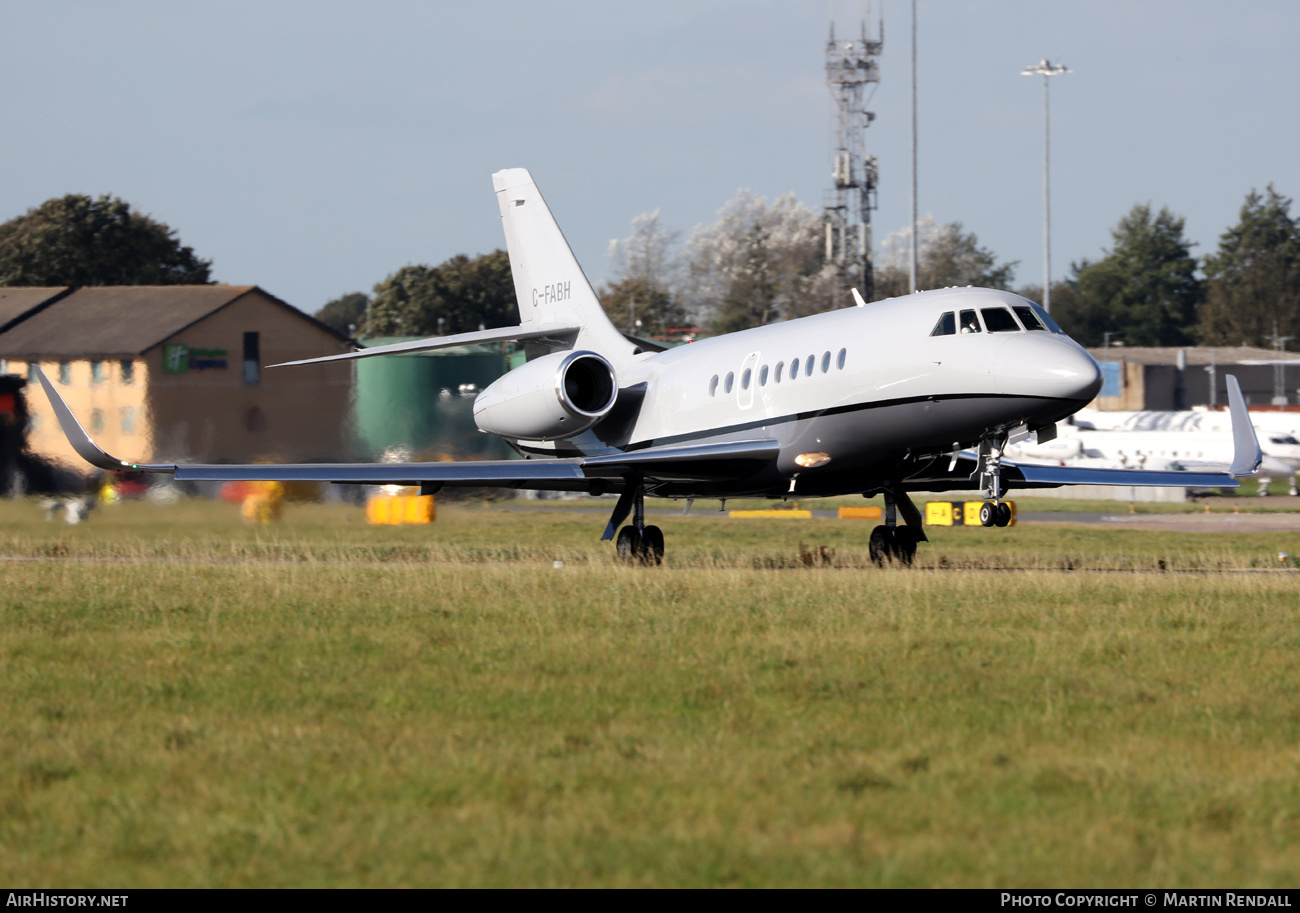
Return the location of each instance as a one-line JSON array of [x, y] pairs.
[[873, 399]]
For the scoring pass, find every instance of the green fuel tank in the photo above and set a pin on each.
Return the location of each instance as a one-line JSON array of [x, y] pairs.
[[423, 405]]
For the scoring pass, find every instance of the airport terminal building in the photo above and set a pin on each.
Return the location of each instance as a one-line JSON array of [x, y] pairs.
[[176, 372]]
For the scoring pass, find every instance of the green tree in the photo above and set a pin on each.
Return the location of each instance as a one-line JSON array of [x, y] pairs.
[[457, 296], [945, 256], [1253, 281], [1144, 290], [345, 313], [641, 307], [76, 240]]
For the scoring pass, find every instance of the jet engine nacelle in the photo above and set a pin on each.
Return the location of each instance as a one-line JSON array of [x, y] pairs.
[[555, 396]]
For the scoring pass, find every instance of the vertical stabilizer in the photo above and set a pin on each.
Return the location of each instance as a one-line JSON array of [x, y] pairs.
[[550, 286]]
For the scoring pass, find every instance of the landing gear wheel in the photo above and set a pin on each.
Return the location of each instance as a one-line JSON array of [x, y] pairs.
[[652, 546], [880, 546], [904, 545], [1004, 515], [629, 545], [988, 513]]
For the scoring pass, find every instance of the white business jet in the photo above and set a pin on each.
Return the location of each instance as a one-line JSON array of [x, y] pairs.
[[918, 393]]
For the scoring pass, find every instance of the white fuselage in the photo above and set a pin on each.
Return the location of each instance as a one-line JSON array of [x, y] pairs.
[[881, 387]]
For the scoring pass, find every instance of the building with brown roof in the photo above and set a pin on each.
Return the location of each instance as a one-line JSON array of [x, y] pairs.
[[177, 372], [1172, 378]]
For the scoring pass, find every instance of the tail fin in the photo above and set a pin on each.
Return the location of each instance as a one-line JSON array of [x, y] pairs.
[[550, 286]]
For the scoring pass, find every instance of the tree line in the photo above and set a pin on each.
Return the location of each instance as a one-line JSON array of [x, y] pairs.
[[758, 262]]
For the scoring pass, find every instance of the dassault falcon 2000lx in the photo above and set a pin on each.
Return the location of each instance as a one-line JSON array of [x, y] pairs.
[[918, 393]]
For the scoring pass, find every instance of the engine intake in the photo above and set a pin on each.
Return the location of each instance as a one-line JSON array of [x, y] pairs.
[[555, 396]]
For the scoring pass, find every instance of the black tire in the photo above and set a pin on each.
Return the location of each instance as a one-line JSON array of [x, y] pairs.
[[880, 546], [904, 545], [988, 513], [1004, 514], [628, 545], [652, 546]]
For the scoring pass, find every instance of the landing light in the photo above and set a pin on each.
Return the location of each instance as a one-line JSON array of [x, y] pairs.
[[812, 460]]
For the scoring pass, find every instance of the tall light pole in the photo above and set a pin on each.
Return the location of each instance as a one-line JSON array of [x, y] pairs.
[[1046, 69], [911, 273]]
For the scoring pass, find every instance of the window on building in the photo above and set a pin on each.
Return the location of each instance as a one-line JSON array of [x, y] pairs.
[[128, 419], [96, 372], [4, 366], [96, 419], [947, 326], [31, 372], [65, 372], [252, 359], [128, 371]]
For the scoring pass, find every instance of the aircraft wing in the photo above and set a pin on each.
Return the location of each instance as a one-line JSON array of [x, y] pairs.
[[692, 462]]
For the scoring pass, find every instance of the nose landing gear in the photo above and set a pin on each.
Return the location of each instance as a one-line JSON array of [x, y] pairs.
[[992, 512]]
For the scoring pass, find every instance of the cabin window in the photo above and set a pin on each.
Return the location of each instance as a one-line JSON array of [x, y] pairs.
[[808, 365], [779, 366], [731, 381], [65, 372], [1028, 317], [744, 379], [947, 325], [794, 369], [762, 376], [969, 322], [826, 362], [839, 361], [1283, 439], [999, 320], [128, 371], [713, 386]]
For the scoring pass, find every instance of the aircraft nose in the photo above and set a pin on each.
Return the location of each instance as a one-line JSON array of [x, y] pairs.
[[1039, 364]]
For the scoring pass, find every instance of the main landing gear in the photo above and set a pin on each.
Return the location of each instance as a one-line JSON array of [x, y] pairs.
[[636, 543], [894, 543]]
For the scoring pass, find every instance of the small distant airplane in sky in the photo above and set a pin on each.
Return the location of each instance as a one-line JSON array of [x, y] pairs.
[[918, 393]]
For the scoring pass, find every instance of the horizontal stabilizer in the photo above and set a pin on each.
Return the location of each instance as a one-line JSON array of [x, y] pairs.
[[561, 336]]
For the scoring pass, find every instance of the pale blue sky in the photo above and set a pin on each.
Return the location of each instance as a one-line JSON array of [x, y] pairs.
[[314, 147]]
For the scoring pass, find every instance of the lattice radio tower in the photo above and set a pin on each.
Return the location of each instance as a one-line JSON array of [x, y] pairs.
[[851, 67]]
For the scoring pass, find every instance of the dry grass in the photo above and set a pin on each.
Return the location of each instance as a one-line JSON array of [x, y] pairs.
[[189, 702]]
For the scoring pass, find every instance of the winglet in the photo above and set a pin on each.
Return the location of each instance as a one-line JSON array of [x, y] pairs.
[[87, 449], [857, 298], [1246, 454]]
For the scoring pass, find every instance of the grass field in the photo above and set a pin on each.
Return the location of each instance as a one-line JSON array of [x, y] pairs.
[[190, 702]]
